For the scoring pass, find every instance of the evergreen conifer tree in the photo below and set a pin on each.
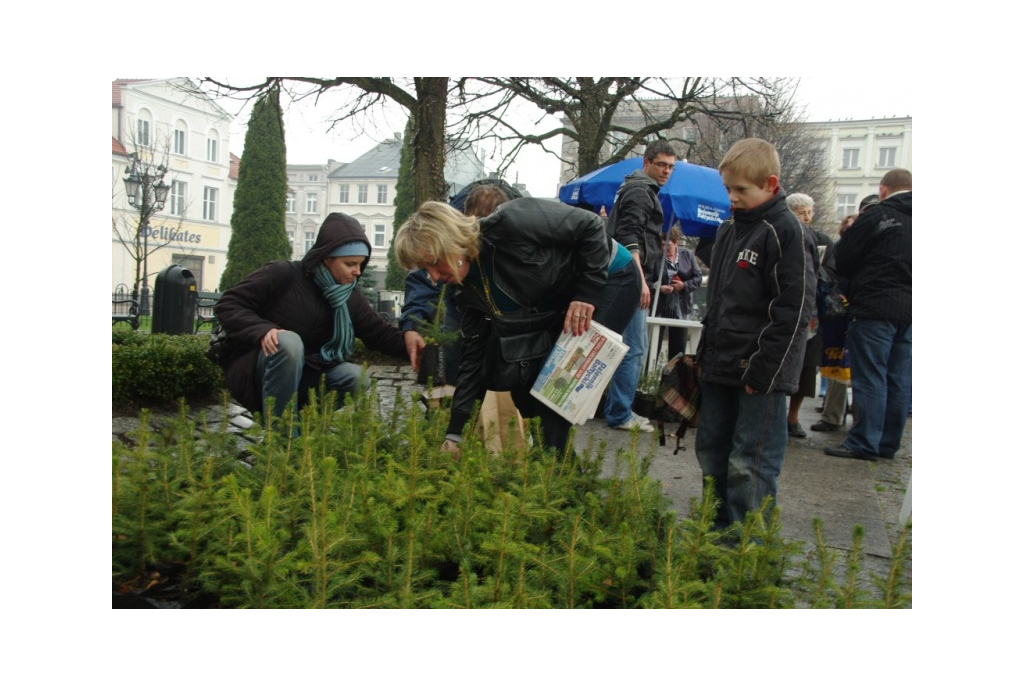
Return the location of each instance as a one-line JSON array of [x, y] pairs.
[[405, 205], [257, 222]]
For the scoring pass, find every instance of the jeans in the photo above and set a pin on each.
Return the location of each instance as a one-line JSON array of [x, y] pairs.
[[740, 443], [880, 372], [618, 407], [283, 375]]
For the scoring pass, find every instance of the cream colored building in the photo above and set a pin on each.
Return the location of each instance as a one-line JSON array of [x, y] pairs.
[[859, 152], [168, 122]]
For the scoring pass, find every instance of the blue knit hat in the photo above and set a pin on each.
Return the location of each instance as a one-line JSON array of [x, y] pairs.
[[356, 248]]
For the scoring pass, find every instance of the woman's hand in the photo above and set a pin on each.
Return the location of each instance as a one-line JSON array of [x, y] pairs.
[[269, 342], [666, 289], [578, 317], [414, 344], [453, 447]]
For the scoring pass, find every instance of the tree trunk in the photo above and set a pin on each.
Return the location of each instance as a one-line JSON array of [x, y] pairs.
[[428, 139]]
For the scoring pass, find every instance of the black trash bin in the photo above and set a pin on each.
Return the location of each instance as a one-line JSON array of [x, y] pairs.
[[174, 301]]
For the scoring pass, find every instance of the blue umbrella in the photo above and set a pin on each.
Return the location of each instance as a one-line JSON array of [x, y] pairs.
[[597, 189], [694, 195]]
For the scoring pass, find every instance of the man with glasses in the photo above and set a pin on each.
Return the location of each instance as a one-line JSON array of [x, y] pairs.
[[636, 223]]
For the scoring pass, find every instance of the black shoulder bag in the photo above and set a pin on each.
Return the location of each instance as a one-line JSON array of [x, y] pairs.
[[516, 347]]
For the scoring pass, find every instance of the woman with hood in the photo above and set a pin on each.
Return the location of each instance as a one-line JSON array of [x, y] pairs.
[[295, 322]]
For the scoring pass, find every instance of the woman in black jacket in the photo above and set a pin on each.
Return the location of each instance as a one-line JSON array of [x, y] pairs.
[[530, 260], [296, 322]]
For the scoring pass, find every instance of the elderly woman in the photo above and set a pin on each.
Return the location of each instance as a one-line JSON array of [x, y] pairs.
[[297, 322], [531, 265]]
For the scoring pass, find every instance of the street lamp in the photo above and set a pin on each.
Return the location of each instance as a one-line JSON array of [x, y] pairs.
[[147, 192]]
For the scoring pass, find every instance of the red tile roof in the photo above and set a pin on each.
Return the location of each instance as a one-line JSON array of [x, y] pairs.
[[116, 147], [115, 95]]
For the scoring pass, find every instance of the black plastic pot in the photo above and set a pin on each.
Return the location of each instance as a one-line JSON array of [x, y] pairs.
[[432, 366]]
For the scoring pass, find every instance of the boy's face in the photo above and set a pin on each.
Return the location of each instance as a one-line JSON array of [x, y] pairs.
[[744, 194]]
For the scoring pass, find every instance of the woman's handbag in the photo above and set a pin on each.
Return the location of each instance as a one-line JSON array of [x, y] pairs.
[[516, 347]]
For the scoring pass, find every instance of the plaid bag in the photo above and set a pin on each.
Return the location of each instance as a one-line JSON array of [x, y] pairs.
[[680, 389]]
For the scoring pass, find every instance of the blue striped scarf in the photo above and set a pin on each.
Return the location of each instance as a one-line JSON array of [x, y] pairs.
[[342, 343]]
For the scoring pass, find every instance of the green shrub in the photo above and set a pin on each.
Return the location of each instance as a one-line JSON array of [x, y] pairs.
[[157, 370], [360, 511]]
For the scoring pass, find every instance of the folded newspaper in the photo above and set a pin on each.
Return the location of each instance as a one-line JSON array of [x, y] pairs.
[[578, 370]]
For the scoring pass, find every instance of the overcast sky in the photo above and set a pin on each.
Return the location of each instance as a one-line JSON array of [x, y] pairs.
[[839, 97]]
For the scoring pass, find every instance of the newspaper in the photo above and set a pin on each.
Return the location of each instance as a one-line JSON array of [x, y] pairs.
[[578, 370]]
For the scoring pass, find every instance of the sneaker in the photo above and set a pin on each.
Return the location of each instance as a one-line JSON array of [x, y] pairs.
[[796, 431], [634, 423], [825, 427], [641, 419]]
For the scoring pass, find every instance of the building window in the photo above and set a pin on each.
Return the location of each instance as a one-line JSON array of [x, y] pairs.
[[846, 204], [291, 237], [314, 178], [362, 193], [179, 141], [143, 132], [382, 194], [211, 149], [310, 203], [343, 193], [310, 240], [209, 203], [886, 157], [851, 158], [179, 193], [289, 204], [378, 235]]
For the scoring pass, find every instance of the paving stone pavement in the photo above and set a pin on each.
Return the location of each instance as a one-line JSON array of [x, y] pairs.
[[839, 492]]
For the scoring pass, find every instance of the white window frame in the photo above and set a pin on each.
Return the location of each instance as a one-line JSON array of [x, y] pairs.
[[209, 203], [846, 204], [143, 129], [310, 241], [379, 235], [313, 178], [884, 152], [211, 149], [851, 158], [382, 193], [363, 192], [343, 193], [289, 204], [179, 144], [311, 202], [178, 197]]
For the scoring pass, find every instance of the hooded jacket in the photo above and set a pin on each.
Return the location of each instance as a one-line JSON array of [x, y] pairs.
[[875, 254], [636, 221], [283, 294], [761, 294]]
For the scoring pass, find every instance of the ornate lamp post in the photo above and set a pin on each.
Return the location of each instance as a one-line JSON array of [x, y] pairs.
[[147, 192]]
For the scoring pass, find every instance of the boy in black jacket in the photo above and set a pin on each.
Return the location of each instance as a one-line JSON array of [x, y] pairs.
[[761, 294]]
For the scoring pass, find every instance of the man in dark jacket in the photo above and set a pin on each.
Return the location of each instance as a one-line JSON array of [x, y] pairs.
[[875, 256], [296, 321], [761, 293], [636, 223]]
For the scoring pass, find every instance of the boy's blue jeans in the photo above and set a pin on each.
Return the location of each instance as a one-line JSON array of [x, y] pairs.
[[741, 440]]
